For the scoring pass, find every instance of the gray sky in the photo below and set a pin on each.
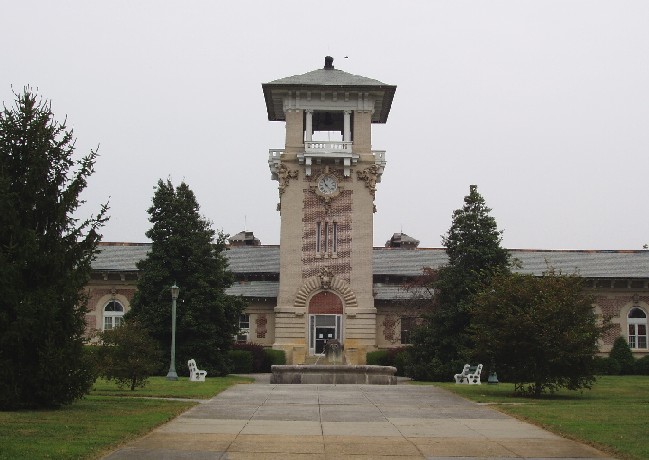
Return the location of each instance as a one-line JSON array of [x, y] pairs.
[[543, 104]]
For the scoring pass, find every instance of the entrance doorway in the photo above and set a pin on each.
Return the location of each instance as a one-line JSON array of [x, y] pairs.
[[321, 329]]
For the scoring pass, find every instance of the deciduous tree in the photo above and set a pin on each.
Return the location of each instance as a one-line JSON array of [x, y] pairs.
[[128, 355], [45, 256], [541, 332], [187, 251]]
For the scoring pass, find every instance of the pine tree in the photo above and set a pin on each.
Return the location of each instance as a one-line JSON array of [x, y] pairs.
[[45, 256], [474, 256], [184, 251]]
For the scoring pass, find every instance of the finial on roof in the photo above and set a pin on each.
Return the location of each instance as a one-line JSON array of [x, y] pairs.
[[329, 63]]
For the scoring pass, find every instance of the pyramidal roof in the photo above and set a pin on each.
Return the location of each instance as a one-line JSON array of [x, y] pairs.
[[328, 77], [331, 78]]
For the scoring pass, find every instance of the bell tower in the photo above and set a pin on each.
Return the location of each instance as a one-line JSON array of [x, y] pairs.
[[327, 174]]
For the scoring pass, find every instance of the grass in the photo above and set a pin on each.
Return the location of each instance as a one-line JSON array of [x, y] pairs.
[[613, 416], [160, 387], [102, 421]]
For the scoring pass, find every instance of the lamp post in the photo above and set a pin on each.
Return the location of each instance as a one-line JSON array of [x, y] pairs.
[[171, 375]]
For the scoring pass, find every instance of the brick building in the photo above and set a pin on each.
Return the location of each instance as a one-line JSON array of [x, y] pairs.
[[325, 280]]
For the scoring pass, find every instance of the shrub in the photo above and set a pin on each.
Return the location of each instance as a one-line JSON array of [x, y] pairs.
[[641, 366], [377, 358], [276, 357], [622, 354], [241, 361], [396, 357], [606, 366], [260, 359]]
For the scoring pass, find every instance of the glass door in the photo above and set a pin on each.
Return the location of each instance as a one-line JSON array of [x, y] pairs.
[[321, 329]]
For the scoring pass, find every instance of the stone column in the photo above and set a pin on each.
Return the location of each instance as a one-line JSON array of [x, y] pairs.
[[347, 133], [308, 136]]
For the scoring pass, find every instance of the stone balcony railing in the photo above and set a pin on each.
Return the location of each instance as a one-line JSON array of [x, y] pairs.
[[328, 148], [316, 151]]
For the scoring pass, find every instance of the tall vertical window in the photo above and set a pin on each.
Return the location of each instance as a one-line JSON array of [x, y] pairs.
[[326, 236], [244, 327], [113, 315], [334, 238], [318, 237], [637, 327], [408, 324]]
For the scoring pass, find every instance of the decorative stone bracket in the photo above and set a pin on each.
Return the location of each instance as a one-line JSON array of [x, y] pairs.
[[284, 176], [370, 176]]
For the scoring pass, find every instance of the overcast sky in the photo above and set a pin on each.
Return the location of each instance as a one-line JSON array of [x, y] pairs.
[[543, 104]]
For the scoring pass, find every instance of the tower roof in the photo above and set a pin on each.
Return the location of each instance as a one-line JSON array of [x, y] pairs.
[[329, 79]]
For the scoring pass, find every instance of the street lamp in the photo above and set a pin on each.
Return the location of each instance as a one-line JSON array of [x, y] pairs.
[[171, 375]]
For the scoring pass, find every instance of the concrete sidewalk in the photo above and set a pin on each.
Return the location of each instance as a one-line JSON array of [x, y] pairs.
[[264, 421]]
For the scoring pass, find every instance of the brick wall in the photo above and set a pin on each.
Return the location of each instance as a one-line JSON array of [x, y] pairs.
[[325, 303]]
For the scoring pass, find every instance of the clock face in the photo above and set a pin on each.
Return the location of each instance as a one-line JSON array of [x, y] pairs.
[[327, 184]]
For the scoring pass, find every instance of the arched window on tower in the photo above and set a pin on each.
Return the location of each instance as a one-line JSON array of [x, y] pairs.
[[637, 327], [113, 315]]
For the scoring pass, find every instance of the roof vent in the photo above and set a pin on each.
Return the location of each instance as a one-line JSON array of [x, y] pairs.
[[329, 63]]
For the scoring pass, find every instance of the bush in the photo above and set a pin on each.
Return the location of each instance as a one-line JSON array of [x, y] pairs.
[[396, 357], [641, 366], [606, 366], [260, 359], [276, 357], [622, 354], [377, 358], [241, 361]]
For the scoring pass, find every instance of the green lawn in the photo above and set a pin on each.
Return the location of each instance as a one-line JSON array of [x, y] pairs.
[[101, 421], [162, 388], [613, 416]]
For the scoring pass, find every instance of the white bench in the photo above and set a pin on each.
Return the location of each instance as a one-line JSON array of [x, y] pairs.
[[195, 374], [469, 375]]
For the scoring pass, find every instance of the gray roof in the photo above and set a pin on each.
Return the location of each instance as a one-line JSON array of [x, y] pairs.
[[120, 257], [253, 259], [329, 78], [409, 262], [589, 264], [258, 289]]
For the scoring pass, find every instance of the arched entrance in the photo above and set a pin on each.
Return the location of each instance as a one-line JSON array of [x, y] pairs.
[[325, 320]]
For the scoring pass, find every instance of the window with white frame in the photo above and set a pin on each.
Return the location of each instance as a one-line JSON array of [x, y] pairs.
[[244, 327], [637, 327], [113, 315]]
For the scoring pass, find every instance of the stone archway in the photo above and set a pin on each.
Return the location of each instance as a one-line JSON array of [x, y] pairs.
[[325, 313], [325, 284]]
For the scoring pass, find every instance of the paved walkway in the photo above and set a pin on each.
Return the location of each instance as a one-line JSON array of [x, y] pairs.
[[357, 422]]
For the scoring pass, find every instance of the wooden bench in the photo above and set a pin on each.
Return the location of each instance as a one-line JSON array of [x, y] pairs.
[[470, 375], [195, 374]]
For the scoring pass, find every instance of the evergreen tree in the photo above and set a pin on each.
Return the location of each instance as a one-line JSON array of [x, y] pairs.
[[441, 344], [621, 352], [45, 256], [184, 252]]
